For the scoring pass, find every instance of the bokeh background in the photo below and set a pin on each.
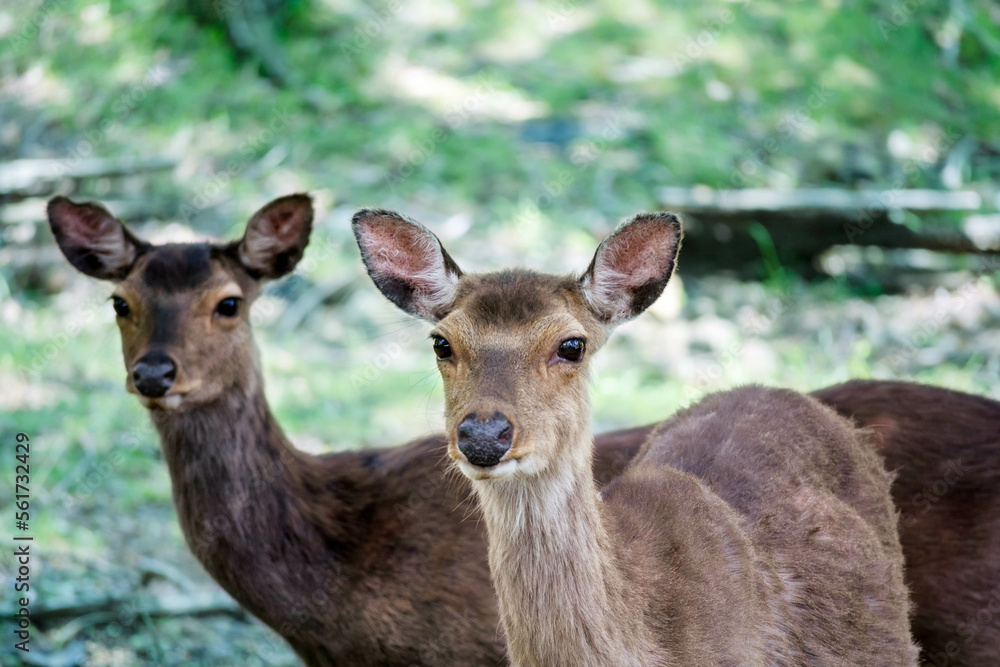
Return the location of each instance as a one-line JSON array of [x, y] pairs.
[[863, 137]]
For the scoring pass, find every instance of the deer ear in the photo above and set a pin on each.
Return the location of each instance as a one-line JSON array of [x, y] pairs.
[[93, 240], [632, 266], [407, 263], [276, 237]]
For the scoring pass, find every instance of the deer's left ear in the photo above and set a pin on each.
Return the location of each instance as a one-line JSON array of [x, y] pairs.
[[276, 237], [632, 266], [92, 239]]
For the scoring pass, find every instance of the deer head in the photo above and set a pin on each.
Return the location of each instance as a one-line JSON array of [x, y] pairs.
[[513, 347], [183, 309]]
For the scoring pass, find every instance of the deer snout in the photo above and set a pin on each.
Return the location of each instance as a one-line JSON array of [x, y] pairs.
[[154, 374], [483, 443]]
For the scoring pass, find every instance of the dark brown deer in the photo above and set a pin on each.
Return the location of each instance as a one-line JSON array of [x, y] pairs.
[[945, 447], [356, 558], [756, 528], [396, 505]]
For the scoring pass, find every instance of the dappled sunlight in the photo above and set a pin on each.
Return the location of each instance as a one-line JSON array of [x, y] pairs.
[[455, 100], [96, 24], [532, 30]]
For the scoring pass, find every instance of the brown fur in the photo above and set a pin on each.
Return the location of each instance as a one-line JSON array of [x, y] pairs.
[[810, 497], [756, 528], [945, 448]]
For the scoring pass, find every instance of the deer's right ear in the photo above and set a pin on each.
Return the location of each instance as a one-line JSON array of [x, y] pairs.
[[407, 263], [276, 237], [93, 240]]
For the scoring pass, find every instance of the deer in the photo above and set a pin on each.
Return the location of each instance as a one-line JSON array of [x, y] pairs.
[[753, 528], [363, 562]]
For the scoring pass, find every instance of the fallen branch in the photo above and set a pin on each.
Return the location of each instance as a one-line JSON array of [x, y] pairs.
[[198, 603], [704, 199], [723, 228], [33, 210], [27, 176]]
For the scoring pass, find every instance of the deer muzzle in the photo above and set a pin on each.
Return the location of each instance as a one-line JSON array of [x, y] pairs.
[[484, 443], [154, 374]]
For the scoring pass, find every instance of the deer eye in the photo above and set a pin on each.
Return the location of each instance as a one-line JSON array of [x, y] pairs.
[[120, 306], [572, 349], [442, 348], [228, 307]]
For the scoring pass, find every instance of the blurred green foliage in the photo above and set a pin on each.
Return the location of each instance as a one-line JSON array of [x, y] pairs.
[[692, 89]]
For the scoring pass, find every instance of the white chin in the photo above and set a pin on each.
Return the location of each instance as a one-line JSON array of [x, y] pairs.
[[521, 467], [165, 403]]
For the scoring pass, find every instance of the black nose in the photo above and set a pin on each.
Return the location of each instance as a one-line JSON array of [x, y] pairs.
[[485, 442], [154, 374]]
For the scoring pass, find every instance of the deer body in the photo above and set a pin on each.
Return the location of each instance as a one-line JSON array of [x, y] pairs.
[[360, 558], [756, 528]]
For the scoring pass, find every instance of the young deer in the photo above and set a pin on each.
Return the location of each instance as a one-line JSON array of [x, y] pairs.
[[358, 558], [754, 528]]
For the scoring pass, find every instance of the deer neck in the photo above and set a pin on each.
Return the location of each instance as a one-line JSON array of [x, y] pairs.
[[559, 580], [246, 499]]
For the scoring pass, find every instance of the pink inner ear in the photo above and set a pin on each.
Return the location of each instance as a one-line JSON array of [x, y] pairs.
[[407, 263], [85, 225], [638, 254], [398, 248], [285, 220]]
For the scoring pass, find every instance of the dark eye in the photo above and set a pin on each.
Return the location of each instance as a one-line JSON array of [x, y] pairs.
[[572, 349], [228, 307], [442, 348], [121, 307]]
